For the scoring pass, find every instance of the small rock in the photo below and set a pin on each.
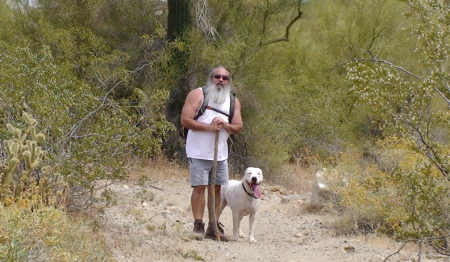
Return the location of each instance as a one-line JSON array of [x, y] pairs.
[[288, 198], [274, 188], [349, 249]]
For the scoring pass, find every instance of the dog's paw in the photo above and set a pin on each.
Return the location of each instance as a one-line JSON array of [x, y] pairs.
[[241, 235], [252, 240]]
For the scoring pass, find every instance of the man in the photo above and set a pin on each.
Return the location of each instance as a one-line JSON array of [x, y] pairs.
[[200, 145]]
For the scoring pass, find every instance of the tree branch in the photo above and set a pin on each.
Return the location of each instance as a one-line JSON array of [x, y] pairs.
[[398, 251], [284, 38], [430, 152], [77, 125], [420, 241], [376, 60]]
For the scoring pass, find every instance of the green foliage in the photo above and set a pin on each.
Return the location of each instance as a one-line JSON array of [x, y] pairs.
[[47, 235], [400, 106], [292, 87], [6, 18], [295, 92], [236, 32], [411, 103], [85, 98], [190, 254]]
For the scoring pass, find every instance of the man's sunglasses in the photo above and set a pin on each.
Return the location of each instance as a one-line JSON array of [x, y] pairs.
[[225, 78]]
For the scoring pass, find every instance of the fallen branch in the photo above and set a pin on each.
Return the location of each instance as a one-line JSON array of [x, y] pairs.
[[420, 241]]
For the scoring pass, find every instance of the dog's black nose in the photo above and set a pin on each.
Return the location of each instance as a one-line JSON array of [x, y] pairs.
[[254, 179]]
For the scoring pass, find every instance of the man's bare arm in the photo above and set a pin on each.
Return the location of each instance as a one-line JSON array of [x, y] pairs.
[[236, 125], [193, 103]]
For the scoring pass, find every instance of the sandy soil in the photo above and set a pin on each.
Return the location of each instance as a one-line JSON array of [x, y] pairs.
[[152, 221]]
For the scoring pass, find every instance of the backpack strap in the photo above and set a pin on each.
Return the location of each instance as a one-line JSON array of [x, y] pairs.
[[204, 106], [232, 98], [218, 111]]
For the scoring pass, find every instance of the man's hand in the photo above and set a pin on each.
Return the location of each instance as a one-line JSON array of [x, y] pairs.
[[217, 124]]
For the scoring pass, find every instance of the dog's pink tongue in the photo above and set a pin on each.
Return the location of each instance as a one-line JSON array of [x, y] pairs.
[[256, 191]]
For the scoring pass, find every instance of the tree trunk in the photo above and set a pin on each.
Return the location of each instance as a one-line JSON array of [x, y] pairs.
[[179, 19], [179, 22]]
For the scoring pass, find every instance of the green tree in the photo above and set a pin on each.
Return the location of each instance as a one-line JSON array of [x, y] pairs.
[[411, 102], [84, 95], [233, 34], [297, 91]]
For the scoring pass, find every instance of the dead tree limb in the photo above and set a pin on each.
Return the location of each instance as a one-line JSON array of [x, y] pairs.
[[400, 249], [284, 38], [421, 242]]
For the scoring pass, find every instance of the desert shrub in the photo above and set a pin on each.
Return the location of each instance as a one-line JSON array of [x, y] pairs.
[[47, 235], [393, 190], [413, 105], [91, 130], [25, 181]]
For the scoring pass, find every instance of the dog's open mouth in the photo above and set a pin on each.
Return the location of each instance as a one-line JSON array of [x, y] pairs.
[[255, 188]]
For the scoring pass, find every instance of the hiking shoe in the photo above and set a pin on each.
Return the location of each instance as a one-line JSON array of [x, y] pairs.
[[199, 229], [210, 233]]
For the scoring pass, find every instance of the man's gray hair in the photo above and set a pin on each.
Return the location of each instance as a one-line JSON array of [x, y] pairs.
[[211, 73]]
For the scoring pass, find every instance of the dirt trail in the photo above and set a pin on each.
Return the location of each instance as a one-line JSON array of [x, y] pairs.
[[152, 221]]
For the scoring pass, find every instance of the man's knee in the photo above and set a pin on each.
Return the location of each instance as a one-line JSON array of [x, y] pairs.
[[199, 189]]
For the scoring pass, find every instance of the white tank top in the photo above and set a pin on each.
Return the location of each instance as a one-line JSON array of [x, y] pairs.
[[200, 144]]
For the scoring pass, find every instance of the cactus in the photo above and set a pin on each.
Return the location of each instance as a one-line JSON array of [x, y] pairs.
[[23, 180]]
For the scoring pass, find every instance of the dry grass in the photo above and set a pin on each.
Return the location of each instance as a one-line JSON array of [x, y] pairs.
[[154, 170], [293, 177], [47, 235]]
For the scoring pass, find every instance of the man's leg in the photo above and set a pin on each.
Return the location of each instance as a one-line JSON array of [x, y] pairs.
[[198, 207], [198, 172], [198, 202]]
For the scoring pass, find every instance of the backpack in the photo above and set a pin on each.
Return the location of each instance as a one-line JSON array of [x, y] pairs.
[[183, 131]]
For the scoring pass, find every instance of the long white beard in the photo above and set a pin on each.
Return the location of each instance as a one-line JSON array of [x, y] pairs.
[[217, 93]]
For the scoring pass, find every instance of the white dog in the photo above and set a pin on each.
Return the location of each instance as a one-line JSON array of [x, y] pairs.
[[244, 198]]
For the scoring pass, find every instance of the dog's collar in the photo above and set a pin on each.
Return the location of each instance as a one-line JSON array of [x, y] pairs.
[[252, 195]]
